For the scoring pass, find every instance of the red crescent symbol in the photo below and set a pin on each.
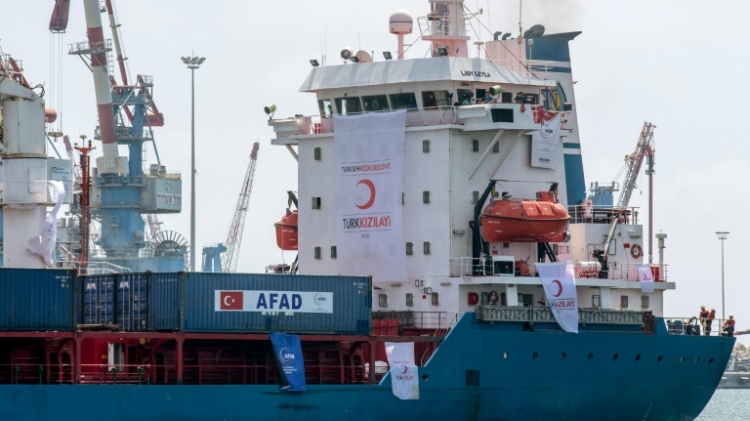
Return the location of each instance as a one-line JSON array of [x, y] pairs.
[[226, 298], [371, 186], [559, 288], [405, 369]]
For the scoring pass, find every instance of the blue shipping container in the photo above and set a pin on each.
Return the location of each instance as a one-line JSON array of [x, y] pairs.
[[37, 299], [132, 301], [98, 299], [262, 303], [164, 301]]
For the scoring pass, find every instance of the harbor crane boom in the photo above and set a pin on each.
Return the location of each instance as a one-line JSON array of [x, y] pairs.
[[234, 237], [634, 161]]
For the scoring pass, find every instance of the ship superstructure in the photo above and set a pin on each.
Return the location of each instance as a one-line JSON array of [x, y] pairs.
[[460, 137]]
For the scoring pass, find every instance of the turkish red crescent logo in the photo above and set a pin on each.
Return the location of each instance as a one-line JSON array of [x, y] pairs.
[[231, 300], [405, 369], [371, 186], [559, 288]]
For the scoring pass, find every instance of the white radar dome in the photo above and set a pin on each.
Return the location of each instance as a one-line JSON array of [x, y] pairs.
[[401, 22]]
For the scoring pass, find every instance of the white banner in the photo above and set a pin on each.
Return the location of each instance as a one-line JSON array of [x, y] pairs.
[[266, 301], [369, 184], [560, 287], [545, 144], [404, 373], [646, 277], [44, 243]]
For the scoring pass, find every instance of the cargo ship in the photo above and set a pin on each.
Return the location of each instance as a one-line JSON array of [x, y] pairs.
[[397, 179]]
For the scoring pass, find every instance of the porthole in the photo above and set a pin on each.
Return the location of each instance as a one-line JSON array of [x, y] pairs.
[[425, 377], [711, 360], [562, 356], [682, 360], [591, 356], [697, 360], [506, 355], [638, 357], [534, 355], [660, 358], [614, 357]]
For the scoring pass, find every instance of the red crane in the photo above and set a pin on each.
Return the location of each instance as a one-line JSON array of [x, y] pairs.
[[234, 237]]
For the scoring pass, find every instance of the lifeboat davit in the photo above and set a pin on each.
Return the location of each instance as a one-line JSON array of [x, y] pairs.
[[286, 231], [543, 220]]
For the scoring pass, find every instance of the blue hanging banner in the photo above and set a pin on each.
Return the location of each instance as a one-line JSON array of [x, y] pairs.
[[288, 354]]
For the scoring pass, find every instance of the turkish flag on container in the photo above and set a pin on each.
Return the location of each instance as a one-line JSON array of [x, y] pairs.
[[231, 300]]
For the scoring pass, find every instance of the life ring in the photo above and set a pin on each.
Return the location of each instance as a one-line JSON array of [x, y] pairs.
[[636, 251], [622, 217], [493, 298]]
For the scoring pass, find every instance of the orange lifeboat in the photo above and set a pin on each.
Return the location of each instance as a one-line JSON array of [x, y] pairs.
[[286, 231], [543, 220]]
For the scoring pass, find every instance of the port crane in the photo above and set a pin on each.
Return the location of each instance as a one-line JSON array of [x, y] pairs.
[[231, 248], [644, 150]]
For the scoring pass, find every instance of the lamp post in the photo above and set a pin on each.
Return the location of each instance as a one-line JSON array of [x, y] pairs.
[[192, 64], [722, 236]]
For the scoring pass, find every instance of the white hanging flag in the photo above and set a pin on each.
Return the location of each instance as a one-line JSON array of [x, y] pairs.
[[646, 277], [44, 243], [404, 373], [369, 184], [560, 288], [545, 144]]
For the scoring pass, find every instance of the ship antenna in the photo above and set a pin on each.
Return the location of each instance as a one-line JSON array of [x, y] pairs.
[[520, 14]]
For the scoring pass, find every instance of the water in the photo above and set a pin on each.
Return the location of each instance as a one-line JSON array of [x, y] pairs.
[[727, 405]]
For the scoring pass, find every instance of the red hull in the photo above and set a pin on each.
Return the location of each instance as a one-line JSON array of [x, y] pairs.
[[507, 221], [286, 232]]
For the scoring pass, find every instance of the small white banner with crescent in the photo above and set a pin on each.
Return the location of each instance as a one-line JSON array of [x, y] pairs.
[[404, 373], [560, 288], [646, 277]]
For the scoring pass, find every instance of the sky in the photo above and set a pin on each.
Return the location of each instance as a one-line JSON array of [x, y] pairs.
[[674, 63]]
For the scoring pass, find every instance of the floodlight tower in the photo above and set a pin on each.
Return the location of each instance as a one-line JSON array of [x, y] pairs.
[[192, 64]]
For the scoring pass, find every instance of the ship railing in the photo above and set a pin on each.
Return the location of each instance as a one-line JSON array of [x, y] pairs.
[[599, 214], [317, 124], [618, 271], [115, 374], [33, 373], [544, 315], [469, 266], [436, 323], [694, 326]]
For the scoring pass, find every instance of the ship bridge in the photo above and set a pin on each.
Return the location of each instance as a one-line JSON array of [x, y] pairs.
[[472, 93]]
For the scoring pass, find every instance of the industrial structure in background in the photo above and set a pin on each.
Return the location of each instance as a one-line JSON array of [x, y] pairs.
[[222, 257], [121, 191]]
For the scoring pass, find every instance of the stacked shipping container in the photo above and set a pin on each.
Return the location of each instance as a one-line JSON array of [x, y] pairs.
[[187, 302]]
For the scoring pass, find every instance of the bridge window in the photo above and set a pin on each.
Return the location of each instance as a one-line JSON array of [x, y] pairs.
[[324, 105], [623, 301], [376, 103], [432, 100], [409, 299], [465, 96], [435, 296], [333, 252], [348, 105], [407, 101], [409, 248], [645, 301], [317, 252], [596, 301], [383, 300]]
